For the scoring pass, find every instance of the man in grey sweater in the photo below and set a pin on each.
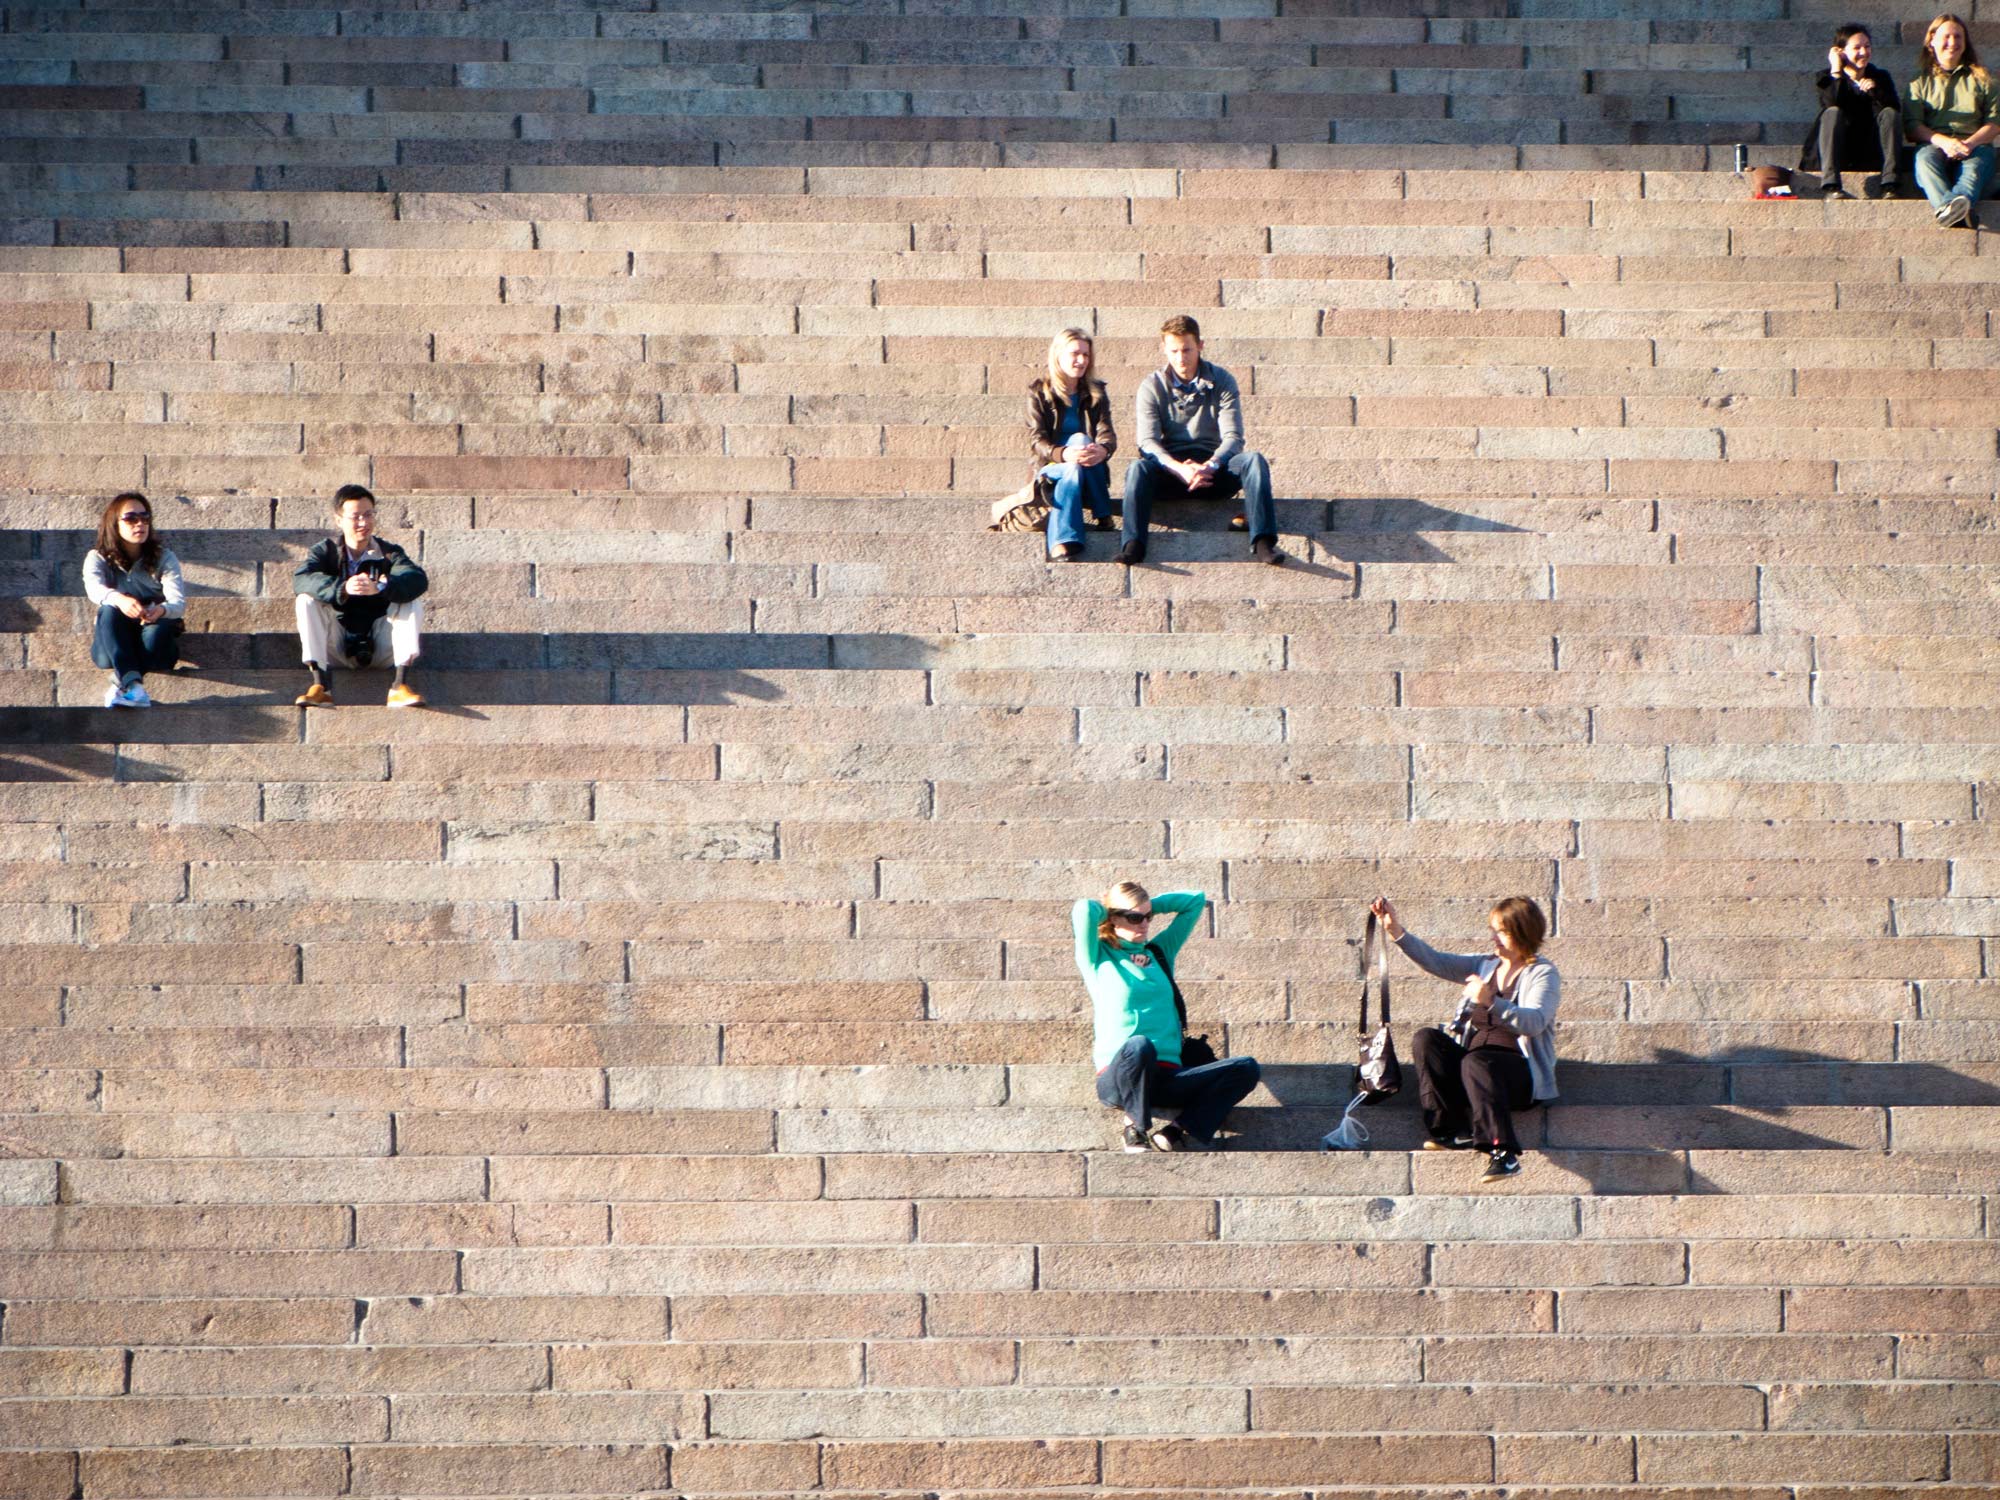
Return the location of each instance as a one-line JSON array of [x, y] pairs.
[[1191, 444]]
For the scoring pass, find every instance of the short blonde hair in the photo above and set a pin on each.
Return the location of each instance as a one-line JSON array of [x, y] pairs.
[[1121, 897], [1058, 382]]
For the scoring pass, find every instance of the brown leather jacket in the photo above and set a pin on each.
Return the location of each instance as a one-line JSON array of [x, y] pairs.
[[1045, 416]]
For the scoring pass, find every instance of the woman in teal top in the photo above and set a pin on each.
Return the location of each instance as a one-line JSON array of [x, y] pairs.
[[1137, 1024]]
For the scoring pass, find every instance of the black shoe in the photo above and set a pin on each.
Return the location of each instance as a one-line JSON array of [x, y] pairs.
[[1501, 1164], [1265, 550], [1103, 523], [1834, 190], [1454, 1143], [1877, 188], [1132, 554], [1171, 1137], [1135, 1139], [1066, 552]]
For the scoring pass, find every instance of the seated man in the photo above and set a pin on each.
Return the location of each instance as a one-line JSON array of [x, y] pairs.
[[359, 600], [1191, 443]]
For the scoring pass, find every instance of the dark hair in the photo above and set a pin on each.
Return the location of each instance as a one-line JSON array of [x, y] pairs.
[[1180, 325], [1522, 921], [349, 492], [111, 547], [1846, 33]]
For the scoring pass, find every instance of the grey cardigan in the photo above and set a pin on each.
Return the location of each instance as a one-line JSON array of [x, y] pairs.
[[103, 577], [1532, 1011]]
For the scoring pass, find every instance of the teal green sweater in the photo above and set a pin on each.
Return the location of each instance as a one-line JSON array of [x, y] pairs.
[[1129, 999]]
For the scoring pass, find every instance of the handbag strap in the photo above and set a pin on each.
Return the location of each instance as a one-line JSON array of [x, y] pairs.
[[1374, 936], [1168, 970]]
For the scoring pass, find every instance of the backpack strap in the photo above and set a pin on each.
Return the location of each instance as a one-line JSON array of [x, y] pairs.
[[1374, 936], [1168, 970]]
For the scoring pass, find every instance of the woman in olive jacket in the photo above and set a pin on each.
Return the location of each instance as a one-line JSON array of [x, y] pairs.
[[1071, 437]]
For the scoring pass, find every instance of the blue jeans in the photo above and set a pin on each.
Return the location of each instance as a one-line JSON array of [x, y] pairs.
[[1148, 479], [130, 649], [1943, 179], [1134, 1081], [1074, 486]]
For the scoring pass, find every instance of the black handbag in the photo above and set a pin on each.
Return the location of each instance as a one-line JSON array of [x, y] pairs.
[[1378, 1075], [1195, 1050]]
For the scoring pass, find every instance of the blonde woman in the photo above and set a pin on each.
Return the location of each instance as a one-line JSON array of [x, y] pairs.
[[1071, 437], [1954, 117], [1499, 1053], [1138, 1020]]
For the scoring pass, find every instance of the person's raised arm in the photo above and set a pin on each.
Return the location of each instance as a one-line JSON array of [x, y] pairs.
[[1187, 907], [1084, 920]]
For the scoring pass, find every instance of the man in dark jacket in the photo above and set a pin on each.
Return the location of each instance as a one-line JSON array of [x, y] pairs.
[[1860, 125], [1190, 419], [359, 600]]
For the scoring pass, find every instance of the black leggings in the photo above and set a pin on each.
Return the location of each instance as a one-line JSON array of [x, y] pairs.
[[1471, 1093]]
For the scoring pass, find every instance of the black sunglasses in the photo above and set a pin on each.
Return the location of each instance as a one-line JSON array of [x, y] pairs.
[[1117, 915], [135, 517]]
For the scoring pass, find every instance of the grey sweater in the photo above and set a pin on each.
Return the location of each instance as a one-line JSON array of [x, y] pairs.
[[1531, 1013], [1201, 421], [103, 577]]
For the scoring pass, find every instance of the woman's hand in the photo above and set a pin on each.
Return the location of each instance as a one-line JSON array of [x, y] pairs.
[[1090, 455], [1385, 913], [129, 607], [1835, 60], [152, 614], [1866, 85], [1480, 989]]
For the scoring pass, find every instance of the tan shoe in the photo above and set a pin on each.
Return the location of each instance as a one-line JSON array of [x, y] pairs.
[[315, 696], [402, 696]]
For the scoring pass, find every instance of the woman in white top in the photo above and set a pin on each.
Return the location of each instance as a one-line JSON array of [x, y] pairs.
[[135, 582], [1499, 1053]]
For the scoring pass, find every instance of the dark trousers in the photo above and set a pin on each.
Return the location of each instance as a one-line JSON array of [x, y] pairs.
[[1147, 480], [130, 649], [1471, 1093], [1838, 148], [1135, 1082]]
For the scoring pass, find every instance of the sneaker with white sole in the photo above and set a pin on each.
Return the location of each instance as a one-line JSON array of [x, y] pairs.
[[1135, 1140], [1501, 1164], [1956, 212], [132, 695], [1171, 1137]]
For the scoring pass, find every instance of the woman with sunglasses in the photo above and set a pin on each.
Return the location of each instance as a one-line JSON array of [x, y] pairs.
[[1136, 1015], [135, 582]]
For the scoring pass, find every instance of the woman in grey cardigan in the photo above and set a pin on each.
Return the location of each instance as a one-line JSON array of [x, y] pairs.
[[1499, 1052], [134, 579]]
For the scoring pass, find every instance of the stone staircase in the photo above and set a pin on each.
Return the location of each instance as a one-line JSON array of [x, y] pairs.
[[657, 1067], [493, 98]]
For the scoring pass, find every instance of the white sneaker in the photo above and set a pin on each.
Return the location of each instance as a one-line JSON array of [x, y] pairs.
[[132, 696], [112, 695], [1956, 212]]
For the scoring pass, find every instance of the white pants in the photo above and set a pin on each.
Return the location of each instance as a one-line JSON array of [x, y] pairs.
[[395, 633]]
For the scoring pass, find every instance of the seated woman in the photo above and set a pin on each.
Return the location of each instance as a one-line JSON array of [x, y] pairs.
[[1499, 1053], [135, 582], [1954, 117], [1071, 436], [1138, 1020], [1860, 125]]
